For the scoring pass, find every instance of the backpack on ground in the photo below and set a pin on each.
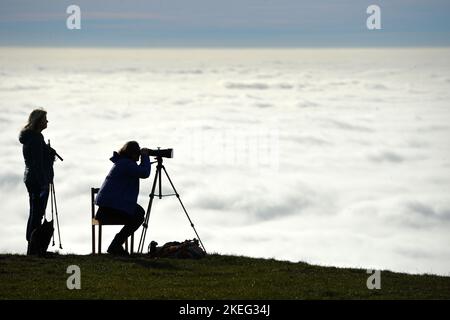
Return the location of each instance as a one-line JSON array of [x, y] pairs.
[[40, 238], [189, 249]]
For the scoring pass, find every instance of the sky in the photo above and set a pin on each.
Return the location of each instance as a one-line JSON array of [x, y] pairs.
[[233, 23]]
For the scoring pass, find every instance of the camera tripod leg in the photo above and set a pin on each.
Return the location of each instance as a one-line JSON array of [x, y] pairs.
[[56, 214], [147, 216], [51, 203], [184, 209]]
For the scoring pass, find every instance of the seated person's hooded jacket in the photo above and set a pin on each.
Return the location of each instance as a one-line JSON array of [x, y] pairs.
[[120, 189]]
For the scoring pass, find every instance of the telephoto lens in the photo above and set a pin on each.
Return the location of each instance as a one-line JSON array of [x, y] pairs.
[[163, 153]]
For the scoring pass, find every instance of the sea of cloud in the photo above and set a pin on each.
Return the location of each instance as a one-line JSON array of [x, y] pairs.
[[330, 156]]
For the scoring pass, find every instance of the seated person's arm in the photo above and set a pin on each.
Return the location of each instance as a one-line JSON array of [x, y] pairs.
[[143, 169]]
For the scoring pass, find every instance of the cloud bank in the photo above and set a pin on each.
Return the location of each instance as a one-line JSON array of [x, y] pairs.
[[340, 156]]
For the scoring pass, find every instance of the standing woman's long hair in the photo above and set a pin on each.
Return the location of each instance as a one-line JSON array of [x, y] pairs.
[[34, 119]]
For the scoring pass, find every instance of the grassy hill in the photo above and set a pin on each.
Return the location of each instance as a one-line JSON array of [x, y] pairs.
[[214, 277]]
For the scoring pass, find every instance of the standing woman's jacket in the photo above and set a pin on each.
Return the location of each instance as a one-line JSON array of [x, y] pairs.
[[39, 158], [120, 189]]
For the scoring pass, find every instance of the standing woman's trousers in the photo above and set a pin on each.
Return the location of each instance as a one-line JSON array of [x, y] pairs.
[[38, 204]]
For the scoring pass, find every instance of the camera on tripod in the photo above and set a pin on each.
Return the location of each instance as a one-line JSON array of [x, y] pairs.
[[161, 153]]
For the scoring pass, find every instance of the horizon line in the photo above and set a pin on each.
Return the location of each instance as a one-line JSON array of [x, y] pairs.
[[447, 46]]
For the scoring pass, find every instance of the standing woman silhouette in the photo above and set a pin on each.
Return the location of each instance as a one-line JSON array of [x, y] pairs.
[[39, 158]]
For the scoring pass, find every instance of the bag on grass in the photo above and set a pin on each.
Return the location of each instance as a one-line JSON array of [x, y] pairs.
[[189, 249], [40, 238]]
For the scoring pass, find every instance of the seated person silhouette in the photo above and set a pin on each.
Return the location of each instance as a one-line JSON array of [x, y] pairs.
[[117, 197]]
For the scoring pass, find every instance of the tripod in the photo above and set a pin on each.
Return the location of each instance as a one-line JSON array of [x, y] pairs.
[[53, 203], [157, 178]]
